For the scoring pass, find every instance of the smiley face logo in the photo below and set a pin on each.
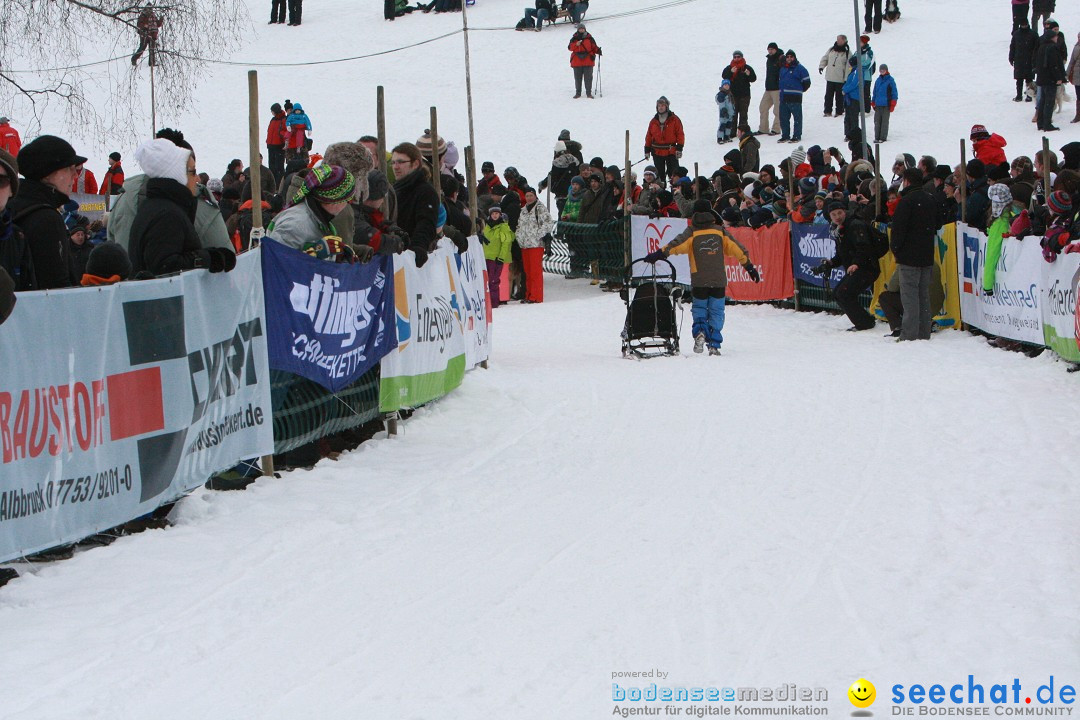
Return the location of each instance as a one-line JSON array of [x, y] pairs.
[[862, 693]]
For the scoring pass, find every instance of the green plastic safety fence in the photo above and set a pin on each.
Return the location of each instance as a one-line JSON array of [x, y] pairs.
[[576, 247], [305, 411]]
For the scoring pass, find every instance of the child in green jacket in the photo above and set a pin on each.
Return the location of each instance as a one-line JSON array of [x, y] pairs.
[[498, 238]]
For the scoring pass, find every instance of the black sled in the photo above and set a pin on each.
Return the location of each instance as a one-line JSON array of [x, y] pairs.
[[651, 328]]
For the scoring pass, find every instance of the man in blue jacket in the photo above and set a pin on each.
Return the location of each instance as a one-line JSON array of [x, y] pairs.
[[794, 81], [851, 99], [869, 67], [883, 102]]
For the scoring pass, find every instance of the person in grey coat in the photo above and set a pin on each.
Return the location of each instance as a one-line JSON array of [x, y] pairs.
[[834, 65]]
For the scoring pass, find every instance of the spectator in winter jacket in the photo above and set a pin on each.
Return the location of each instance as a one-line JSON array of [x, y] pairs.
[[749, 148], [978, 203], [418, 203], [872, 17], [163, 238], [307, 224], [355, 158], [533, 226], [883, 101], [834, 64], [79, 237], [597, 203], [48, 166], [498, 239], [583, 53], [1072, 76], [275, 138], [664, 139], [9, 138], [852, 104], [1041, 10], [1022, 47], [868, 68], [234, 176], [297, 127], [771, 97], [725, 131], [794, 81], [571, 209], [564, 167], [855, 253], [113, 181], [1049, 73], [84, 183], [16, 263], [536, 16], [987, 147], [488, 179], [1002, 213], [707, 244], [914, 226], [741, 75]]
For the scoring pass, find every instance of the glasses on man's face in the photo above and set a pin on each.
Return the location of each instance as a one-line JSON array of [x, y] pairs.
[[192, 172], [401, 162]]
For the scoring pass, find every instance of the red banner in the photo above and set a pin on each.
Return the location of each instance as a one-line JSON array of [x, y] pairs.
[[770, 251]]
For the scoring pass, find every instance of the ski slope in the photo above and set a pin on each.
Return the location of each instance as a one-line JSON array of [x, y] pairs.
[[813, 507]]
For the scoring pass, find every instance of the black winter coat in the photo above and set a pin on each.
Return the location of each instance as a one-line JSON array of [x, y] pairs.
[[740, 84], [15, 255], [854, 245], [511, 207], [79, 255], [1049, 65], [45, 232], [772, 70], [978, 204], [596, 206], [914, 225], [418, 208], [456, 218], [163, 238], [1025, 42]]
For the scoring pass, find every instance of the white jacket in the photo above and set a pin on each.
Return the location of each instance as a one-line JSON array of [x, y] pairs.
[[533, 224], [835, 65]]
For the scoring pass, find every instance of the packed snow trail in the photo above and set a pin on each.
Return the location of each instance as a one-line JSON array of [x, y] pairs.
[[813, 507]]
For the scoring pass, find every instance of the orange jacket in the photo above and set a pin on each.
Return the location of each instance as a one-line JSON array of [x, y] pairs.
[[86, 184], [275, 131], [113, 180], [9, 139], [664, 138], [583, 51]]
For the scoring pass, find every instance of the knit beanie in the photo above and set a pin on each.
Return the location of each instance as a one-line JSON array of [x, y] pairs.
[[1000, 197], [326, 184], [978, 132], [109, 260], [975, 169], [424, 144], [160, 158], [487, 167], [560, 146], [808, 186], [1058, 203], [45, 155], [355, 158], [702, 206], [215, 185], [578, 180], [114, 156], [378, 185], [564, 135], [441, 218], [597, 163], [11, 167]]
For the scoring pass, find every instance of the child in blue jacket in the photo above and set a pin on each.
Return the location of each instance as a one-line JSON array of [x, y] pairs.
[[883, 100]]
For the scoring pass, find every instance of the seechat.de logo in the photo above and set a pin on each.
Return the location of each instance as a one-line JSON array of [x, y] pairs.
[[862, 693]]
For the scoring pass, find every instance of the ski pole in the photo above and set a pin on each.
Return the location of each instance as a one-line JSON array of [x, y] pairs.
[[599, 82], [640, 161]]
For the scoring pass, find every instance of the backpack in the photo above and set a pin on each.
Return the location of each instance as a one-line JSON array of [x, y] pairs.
[[15, 254], [879, 241]]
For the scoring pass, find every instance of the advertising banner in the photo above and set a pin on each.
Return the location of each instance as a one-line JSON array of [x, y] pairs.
[[810, 244], [1012, 311], [475, 304], [430, 357], [328, 322], [768, 249], [145, 390], [92, 206], [1059, 309]]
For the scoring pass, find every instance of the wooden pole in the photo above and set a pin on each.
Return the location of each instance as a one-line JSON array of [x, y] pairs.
[[468, 72], [877, 176], [697, 185], [470, 177], [254, 164], [627, 200], [153, 104], [380, 161], [963, 179], [1046, 164], [435, 172]]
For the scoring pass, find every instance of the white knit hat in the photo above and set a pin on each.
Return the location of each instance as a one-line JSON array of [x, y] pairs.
[[161, 159]]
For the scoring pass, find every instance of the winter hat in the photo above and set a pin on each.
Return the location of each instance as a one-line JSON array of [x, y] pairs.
[[81, 223], [821, 194], [773, 46], [613, 169], [1058, 203], [109, 260], [975, 169], [663, 99], [941, 172], [45, 155], [998, 173], [835, 205], [596, 177], [564, 134], [215, 185], [452, 156], [355, 158], [578, 180], [159, 158], [581, 26], [649, 170], [560, 146], [487, 167], [11, 166], [883, 67], [684, 181], [275, 108], [378, 185], [597, 163], [808, 186], [424, 144], [664, 198], [978, 132], [725, 83], [5, 119], [1000, 196], [327, 184], [864, 39], [495, 208], [702, 206], [737, 54], [730, 214], [798, 156], [681, 171], [1070, 154], [114, 156], [511, 172], [791, 53]]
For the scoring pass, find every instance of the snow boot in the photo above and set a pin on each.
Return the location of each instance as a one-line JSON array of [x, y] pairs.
[[714, 351], [699, 343], [1077, 118]]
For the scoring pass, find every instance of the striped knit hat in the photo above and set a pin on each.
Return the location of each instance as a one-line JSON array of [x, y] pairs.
[[424, 145], [1059, 203], [327, 184]]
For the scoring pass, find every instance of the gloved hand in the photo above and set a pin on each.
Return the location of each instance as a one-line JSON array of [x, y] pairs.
[[392, 243], [678, 154], [461, 243], [892, 105], [648, 151], [821, 268], [873, 105], [989, 292], [220, 260], [326, 248], [421, 254], [363, 253], [654, 256], [752, 271]]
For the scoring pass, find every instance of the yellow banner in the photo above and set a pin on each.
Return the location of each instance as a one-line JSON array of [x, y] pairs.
[[946, 284]]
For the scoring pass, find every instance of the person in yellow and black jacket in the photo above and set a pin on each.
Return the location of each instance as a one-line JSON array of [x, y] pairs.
[[706, 242]]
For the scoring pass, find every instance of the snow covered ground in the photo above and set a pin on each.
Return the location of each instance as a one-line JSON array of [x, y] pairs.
[[813, 507]]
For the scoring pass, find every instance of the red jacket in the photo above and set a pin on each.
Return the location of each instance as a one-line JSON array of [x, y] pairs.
[[989, 150], [583, 51], [87, 181], [9, 139], [664, 138], [275, 131], [113, 180]]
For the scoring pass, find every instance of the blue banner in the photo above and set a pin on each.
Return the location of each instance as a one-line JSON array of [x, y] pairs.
[[328, 322], [810, 244]]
